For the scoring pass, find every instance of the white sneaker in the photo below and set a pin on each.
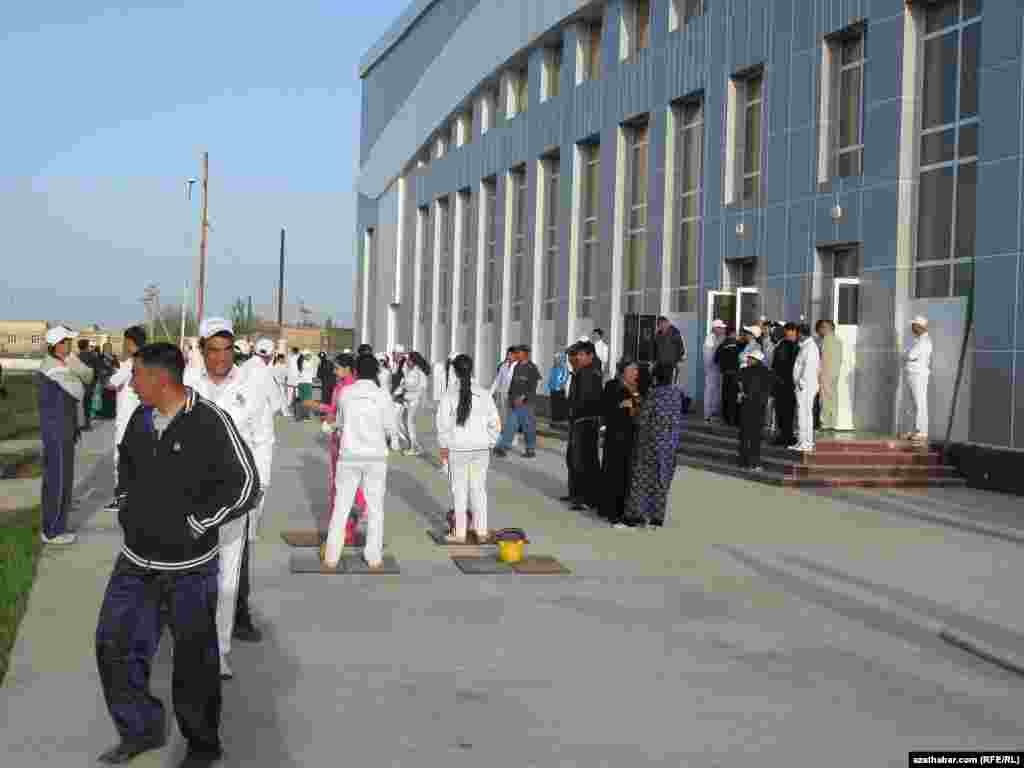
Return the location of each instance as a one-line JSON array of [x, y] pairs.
[[802, 448], [225, 669], [60, 538]]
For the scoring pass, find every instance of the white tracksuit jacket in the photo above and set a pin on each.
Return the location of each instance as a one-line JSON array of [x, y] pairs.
[[482, 428]]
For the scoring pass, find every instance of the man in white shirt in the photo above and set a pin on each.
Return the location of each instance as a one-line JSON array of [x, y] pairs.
[[805, 379], [293, 379], [127, 400], [499, 388], [242, 393], [601, 351], [917, 367], [366, 420]]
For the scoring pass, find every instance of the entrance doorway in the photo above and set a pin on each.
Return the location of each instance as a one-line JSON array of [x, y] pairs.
[[739, 307], [846, 311]]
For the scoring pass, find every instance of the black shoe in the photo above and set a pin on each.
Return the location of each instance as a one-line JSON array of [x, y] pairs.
[[246, 632], [579, 507], [200, 760], [126, 751], [654, 523], [530, 455], [567, 499], [501, 453]]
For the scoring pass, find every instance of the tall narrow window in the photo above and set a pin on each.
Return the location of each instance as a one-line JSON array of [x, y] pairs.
[[551, 239], [689, 167], [518, 90], [636, 28], [590, 240], [949, 150], [636, 224], [445, 263], [591, 41], [427, 266], [467, 285], [519, 225], [850, 105], [552, 72], [752, 142], [682, 11], [745, 139], [492, 276]]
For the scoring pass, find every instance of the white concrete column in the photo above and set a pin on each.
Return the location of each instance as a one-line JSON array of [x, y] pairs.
[[456, 276], [618, 245], [481, 266], [435, 296], [575, 217], [365, 324], [537, 300], [506, 262], [668, 244], [417, 270]]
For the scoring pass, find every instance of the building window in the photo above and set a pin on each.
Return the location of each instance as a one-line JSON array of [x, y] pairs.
[[949, 150], [636, 223], [590, 240], [745, 131], [841, 150], [488, 109], [689, 171], [445, 262], [468, 257], [37, 339], [464, 126], [518, 192], [441, 145], [427, 265], [518, 91], [552, 72], [681, 11], [589, 44], [12, 339], [551, 166], [635, 29], [492, 276]]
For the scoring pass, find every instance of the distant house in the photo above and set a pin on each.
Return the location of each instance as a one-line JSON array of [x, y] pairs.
[[23, 337]]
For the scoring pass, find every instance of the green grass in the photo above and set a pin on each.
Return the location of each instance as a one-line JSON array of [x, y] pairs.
[[19, 411], [19, 553]]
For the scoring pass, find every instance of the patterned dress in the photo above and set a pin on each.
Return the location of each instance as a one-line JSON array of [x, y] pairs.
[[659, 432]]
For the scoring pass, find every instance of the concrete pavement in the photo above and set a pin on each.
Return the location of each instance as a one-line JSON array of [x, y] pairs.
[[761, 623]]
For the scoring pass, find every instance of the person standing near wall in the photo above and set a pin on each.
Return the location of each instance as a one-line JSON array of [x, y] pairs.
[[917, 367], [806, 371], [712, 375], [831, 367]]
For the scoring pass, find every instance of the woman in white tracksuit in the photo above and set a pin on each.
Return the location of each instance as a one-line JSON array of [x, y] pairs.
[[468, 427], [412, 389]]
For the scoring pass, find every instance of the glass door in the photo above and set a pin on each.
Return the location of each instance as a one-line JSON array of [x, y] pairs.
[[846, 311], [748, 307], [721, 306]]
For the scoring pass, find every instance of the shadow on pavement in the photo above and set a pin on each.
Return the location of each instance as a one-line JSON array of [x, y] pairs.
[[418, 497]]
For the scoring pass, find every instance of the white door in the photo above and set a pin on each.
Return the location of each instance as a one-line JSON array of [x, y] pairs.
[[846, 311], [721, 306]]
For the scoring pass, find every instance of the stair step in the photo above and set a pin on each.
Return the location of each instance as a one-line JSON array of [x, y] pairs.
[[823, 444]]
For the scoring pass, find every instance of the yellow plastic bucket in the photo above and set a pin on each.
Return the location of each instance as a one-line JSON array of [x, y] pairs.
[[511, 551]]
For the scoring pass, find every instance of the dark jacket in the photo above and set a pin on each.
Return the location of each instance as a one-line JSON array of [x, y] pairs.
[[58, 411], [181, 487], [585, 394], [669, 346], [756, 385], [784, 359], [525, 378], [727, 356]]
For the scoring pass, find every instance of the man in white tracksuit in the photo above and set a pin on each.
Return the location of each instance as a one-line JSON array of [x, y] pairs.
[[500, 385], [805, 379], [917, 367], [126, 399], [260, 365], [412, 390], [243, 394], [467, 446], [712, 375], [366, 419]]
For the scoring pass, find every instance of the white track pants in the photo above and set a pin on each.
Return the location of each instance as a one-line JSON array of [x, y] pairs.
[[407, 423], [371, 476], [469, 486], [805, 416], [917, 385], [232, 537]]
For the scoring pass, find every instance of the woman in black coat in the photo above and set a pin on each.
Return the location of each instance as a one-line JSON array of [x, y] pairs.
[[620, 404]]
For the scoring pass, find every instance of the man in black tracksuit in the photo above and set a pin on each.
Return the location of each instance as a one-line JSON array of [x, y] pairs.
[[727, 358], [756, 384], [185, 470], [785, 394], [581, 456]]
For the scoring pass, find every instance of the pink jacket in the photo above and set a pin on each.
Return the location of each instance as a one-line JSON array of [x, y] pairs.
[[332, 409]]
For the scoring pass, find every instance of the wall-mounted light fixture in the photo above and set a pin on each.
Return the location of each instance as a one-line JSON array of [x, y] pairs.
[[740, 229], [837, 212]]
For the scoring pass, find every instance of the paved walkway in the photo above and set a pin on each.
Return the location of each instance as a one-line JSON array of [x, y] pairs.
[[761, 624]]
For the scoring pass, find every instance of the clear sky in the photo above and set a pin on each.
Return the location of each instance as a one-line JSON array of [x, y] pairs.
[[107, 110]]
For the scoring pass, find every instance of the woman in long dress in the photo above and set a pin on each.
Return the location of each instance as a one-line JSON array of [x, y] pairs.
[[620, 405], [659, 432]]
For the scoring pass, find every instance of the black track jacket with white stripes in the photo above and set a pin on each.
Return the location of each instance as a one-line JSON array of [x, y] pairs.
[[179, 487]]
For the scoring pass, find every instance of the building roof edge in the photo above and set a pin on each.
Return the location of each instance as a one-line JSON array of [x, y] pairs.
[[393, 35]]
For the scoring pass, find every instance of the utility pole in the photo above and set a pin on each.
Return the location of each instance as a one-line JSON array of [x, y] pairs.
[[280, 292], [184, 310], [204, 224]]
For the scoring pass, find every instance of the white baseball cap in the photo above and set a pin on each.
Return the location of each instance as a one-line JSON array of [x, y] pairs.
[[265, 347], [211, 326], [757, 354], [582, 339], [718, 324], [920, 320], [58, 334]]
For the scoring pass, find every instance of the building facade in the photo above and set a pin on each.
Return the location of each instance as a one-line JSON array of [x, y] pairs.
[[23, 337], [532, 170]]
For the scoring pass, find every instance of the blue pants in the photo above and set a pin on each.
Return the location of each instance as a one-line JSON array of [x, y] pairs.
[[519, 418], [58, 481], [127, 638]]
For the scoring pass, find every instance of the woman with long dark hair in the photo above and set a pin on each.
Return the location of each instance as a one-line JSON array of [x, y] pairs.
[[468, 427], [411, 391], [620, 405], [344, 368]]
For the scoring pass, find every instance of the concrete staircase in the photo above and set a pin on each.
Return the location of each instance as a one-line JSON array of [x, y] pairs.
[[839, 461]]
